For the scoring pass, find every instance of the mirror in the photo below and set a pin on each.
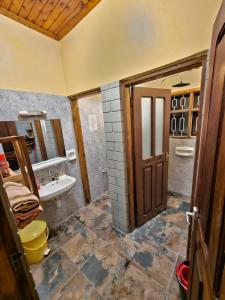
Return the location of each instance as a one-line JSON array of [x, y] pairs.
[[44, 139]]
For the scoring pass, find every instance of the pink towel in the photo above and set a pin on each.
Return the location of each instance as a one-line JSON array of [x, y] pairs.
[[23, 219]]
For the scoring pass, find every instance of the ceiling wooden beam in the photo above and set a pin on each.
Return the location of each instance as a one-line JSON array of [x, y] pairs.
[[12, 16], [53, 18], [57, 11], [36, 10], [63, 16], [74, 21]]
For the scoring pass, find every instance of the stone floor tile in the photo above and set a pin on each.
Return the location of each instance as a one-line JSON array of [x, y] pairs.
[[138, 235], [175, 199], [64, 232], [88, 215], [172, 297], [104, 217], [156, 261], [103, 203], [152, 228], [94, 270], [176, 218], [103, 226], [104, 267], [167, 234], [78, 288], [91, 260], [52, 274], [173, 288], [82, 245], [121, 243], [134, 284]]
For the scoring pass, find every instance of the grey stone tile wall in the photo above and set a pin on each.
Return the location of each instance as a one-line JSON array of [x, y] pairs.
[[180, 173], [115, 155], [57, 107]]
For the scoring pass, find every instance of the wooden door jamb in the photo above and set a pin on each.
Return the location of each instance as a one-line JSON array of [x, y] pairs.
[[194, 61], [79, 138]]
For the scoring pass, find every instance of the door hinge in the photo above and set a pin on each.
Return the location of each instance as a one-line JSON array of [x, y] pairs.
[[167, 156], [15, 260]]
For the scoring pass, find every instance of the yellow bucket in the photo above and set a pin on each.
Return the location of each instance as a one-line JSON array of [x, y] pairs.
[[34, 239]]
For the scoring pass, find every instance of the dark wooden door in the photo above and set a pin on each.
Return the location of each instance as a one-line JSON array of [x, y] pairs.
[[16, 281], [207, 253], [151, 147]]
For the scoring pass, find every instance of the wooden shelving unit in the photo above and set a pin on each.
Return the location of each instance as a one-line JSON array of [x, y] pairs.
[[26, 175], [184, 113]]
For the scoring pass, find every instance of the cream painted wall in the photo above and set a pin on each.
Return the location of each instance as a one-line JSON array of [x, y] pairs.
[[29, 61], [117, 39], [121, 38]]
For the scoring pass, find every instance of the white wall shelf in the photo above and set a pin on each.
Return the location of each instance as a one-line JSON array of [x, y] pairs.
[[48, 163]]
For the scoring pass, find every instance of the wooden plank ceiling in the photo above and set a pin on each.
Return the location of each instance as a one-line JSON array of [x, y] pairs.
[[54, 18]]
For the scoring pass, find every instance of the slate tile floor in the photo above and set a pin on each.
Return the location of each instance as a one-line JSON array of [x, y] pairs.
[[89, 260]]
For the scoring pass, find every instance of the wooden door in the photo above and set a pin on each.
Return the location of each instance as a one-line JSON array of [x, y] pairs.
[[151, 146], [207, 253], [16, 281]]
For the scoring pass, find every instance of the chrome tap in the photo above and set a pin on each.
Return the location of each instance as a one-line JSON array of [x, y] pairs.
[[56, 175]]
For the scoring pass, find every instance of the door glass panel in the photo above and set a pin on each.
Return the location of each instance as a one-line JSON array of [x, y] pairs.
[[146, 127], [159, 121]]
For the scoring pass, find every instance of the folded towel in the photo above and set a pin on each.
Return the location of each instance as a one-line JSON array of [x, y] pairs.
[[34, 212], [20, 197], [23, 219]]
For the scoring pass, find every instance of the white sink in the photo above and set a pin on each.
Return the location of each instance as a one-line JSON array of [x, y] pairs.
[[57, 187]]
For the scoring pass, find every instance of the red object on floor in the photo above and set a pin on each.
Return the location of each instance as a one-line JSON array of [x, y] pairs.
[[182, 273]]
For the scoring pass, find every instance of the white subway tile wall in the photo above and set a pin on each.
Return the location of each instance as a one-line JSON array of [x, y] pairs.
[[115, 155]]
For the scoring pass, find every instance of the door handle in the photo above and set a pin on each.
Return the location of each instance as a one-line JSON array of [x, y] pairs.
[[15, 260], [167, 156], [193, 215]]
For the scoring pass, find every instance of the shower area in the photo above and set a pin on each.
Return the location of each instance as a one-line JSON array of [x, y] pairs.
[[92, 126]]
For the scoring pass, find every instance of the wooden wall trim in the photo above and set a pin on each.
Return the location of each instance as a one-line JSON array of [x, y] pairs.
[[84, 94], [52, 18], [222, 292], [37, 124], [193, 61], [190, 62], [80, 149], [23, 21], [127, 114], [199, 141], [57, 128], [79, 137]]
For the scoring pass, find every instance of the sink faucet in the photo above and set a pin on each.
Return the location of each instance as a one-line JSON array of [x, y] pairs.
[[56, 175]]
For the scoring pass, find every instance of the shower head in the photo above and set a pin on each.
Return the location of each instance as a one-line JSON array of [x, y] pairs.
[[181, 84]]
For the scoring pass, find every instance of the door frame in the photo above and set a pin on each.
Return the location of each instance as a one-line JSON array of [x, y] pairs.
[[194, 61], [79, 137]]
